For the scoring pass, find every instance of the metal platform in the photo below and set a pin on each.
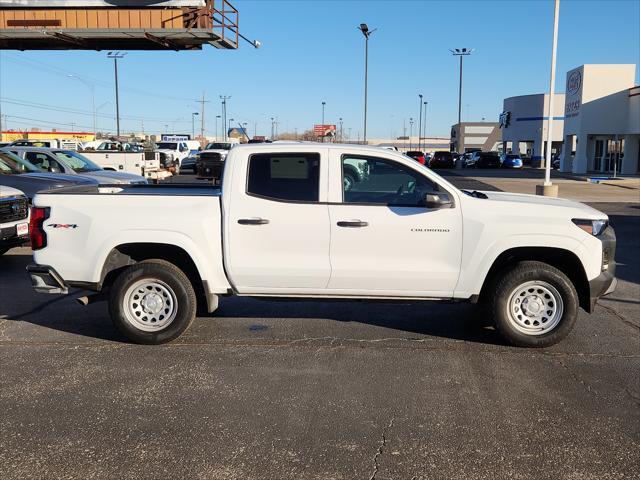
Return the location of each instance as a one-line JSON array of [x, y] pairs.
[[186, 28], [139, 39]]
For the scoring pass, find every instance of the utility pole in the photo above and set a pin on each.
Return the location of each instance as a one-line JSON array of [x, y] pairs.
[[341, 131], [201, 102], [116, 56], [272, 128], [224, 99]]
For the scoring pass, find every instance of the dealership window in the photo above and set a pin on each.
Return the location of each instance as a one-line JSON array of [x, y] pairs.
[[287, 177]]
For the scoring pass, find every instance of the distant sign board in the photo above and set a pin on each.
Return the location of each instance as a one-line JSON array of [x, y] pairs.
[[101, 3], [573, 94], [175, 138], [324, 130]]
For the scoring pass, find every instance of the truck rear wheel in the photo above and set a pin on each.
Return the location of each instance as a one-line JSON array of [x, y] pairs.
[[152, 302], [533, 305]]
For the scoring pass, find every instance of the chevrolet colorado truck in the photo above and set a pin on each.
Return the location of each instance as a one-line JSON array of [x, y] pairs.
[[287, 223]]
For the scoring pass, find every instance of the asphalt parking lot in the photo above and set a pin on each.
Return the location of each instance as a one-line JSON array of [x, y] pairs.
[[319, 390]]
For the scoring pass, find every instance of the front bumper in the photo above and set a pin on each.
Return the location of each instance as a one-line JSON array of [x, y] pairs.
[[606, 282], [45, 279]]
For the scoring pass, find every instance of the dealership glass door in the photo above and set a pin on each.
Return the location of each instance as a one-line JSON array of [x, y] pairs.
[[597, 157], [615, 155]]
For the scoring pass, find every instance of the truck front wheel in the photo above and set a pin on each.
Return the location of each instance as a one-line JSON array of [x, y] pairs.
[[534, 305], [152, 302]]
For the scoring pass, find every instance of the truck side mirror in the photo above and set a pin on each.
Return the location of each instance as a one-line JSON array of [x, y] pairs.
[[438, 200]]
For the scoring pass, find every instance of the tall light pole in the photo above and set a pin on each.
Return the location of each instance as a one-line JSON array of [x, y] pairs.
[[460, 52], [420, 123], [216, 130], [116, 56], [193, 124], [410, 132], [341, 131], [93, 97], [425, 125], [224, 99], [323, 105], [272, 127], [229, 128], [367, 33], [547, 188]]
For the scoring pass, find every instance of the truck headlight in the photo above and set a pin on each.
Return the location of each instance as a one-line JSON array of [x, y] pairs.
[[592, 227]]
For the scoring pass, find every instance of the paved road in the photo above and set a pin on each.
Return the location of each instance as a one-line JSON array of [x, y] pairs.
[[315, 390]]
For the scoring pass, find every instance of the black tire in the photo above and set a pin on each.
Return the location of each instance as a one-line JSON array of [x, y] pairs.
[[176, 287], [544, 278], [350, 177]]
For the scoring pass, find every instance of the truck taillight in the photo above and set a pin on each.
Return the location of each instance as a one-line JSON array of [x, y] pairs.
[[36, 227]]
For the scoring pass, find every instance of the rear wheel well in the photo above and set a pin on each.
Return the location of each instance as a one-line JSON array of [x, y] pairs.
[[127, 254], [564, 260]]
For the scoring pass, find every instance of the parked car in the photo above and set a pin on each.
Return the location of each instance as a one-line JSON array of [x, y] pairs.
[[284, 225], [416, 155], [442, 159], [467, 160], [72, 163], [511, 160], [190, 164], [487, 160], [20, 174], [14, 218]]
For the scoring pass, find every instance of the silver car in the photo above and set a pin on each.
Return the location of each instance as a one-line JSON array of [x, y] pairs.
[[17, 173], [55, 160]]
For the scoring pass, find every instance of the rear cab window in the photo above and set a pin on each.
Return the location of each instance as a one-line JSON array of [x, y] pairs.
[[286, 177]]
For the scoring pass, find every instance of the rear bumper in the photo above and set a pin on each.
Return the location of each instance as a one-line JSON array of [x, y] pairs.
[[45, 279], [606, 282]]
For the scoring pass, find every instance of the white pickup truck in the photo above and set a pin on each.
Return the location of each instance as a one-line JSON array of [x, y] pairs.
[[286, 224]]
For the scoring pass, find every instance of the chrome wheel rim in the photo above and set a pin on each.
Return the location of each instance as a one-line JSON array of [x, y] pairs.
[[150, 305], [535, 308]]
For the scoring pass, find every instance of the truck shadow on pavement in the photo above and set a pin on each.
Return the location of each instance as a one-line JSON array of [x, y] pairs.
[[236, 315]]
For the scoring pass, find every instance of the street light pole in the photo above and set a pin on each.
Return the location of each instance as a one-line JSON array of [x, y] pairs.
[[323, 105], [425, 125], [420, 123], [272, 126], [367, 33], [229, 128], [410, 132], [341, 131], [460, 52], [116, 56], [193, 124], [224, 99]]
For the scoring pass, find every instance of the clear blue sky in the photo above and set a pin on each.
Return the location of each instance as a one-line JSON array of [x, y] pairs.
[[312, 52]]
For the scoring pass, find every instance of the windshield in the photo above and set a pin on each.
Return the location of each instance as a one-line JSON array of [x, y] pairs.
[[12, 164], [76, 161], [167, 146], [218, 146]]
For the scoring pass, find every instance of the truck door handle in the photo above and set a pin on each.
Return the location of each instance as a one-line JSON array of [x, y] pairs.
[[352, 224], [253, 221]]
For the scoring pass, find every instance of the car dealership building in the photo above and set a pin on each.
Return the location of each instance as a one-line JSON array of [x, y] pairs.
[[596, 122]]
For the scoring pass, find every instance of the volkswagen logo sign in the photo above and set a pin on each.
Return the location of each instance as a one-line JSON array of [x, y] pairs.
[[574, 82]]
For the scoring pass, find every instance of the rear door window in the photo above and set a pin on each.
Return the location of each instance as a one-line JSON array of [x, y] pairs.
[[293, 177]]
